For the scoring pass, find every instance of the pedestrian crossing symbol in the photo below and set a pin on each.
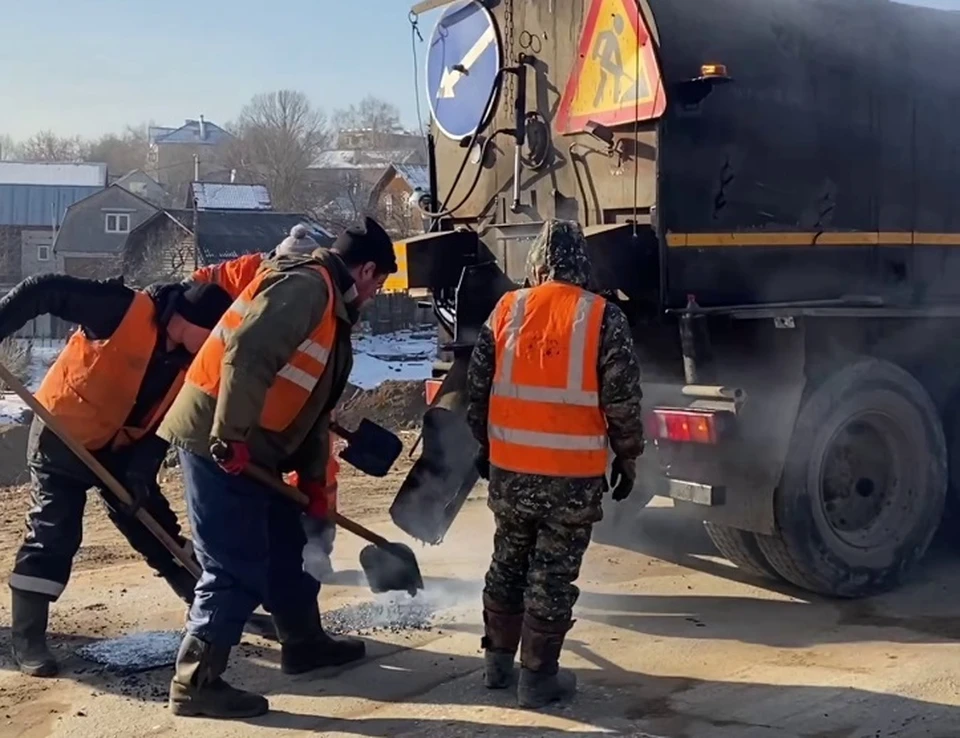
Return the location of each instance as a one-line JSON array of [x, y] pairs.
[[616, 78]]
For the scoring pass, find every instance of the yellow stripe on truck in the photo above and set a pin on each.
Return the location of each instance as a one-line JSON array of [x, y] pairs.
[[812, 238], [398, 282]]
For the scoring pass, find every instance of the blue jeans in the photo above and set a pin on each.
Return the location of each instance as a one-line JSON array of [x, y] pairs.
[[249, 541]]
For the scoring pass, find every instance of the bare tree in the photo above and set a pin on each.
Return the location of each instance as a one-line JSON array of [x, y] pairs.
[[373, 115], [48, 146], [8, 147], [121, 152], [278, 136]]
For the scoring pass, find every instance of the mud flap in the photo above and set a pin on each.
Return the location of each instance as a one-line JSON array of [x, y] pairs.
[[435, 489]]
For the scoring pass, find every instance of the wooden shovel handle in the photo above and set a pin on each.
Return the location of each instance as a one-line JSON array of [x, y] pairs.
[[292, 493], [100, 470]]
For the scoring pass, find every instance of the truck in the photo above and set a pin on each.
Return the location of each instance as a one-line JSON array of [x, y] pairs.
[[769, 192]]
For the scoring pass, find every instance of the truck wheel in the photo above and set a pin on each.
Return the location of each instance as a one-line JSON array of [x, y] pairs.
[[863, 486], [741, 549]]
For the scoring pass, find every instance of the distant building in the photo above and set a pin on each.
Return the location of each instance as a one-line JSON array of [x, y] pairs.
[[164, 247], [34, 199], [228, 196], [143, 185], [91, 241], [393, 199], [172, 151]]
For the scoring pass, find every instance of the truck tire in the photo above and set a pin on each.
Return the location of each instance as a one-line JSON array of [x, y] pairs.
[[741, 549], [864, 483]]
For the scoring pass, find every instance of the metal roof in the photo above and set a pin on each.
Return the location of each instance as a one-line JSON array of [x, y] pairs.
[[357, 159], [38, 205], [215, 196], [57, 174], [415, 175], [189, 133], [226, 235]]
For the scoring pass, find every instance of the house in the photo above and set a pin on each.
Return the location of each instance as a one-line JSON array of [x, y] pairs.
[[166, 247], [143, 185], [34, 198], [228, 196], [181, 155], [91, 241], [344, 177], [393, 199]]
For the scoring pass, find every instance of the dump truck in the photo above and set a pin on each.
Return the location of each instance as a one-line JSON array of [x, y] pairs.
[[768, 190]]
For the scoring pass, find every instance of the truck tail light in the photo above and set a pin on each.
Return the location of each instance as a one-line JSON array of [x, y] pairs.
[[430, 389], [685, 426]]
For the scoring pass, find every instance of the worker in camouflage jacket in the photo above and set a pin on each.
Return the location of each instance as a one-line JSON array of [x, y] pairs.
[[553, 387]]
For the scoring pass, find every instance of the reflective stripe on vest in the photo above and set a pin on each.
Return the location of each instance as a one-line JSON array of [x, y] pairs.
[[294, 381], [92, 387], [545, 413]]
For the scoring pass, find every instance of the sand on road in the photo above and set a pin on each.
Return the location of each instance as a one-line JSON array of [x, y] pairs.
[[670, 642]]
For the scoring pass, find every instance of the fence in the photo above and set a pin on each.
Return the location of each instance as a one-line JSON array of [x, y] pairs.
[[394, 311]]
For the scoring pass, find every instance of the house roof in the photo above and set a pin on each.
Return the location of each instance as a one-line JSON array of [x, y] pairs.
[[53, 174], [415, 175], [39, 205], [214, 196], [189, 133], [228, 234], [357, 159], [133, 174]]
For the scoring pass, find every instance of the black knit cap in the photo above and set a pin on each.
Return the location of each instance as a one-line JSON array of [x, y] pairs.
[[368, 242], [203, 304]]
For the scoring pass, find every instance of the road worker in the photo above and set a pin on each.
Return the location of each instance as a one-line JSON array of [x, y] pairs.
[[108, 389], [260, 393], [237, 273], [553, 385]]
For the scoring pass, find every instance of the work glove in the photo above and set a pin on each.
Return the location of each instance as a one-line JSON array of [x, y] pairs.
[[140, 488], [482, 462], [318, 507], [623, 474], [231, 456]]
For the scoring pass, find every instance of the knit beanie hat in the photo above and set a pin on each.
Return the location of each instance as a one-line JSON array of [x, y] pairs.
[[203, 304], [360, 244], [298, 242]]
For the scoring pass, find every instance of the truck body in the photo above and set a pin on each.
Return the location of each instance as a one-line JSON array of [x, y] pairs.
[[772, 206]]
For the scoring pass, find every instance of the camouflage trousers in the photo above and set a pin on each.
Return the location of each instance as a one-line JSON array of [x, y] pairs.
[[535, 564]]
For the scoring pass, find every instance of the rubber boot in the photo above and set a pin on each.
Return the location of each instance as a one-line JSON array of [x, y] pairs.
[[542, 681], [305, 646], [501, 638], [197, 689], [29, 616]]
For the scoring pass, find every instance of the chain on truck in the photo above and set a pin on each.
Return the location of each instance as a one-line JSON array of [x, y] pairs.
[[768, 191]]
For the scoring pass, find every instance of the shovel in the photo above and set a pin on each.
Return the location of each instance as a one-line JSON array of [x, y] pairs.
[[110, 481], [389, 566], [371, 448]]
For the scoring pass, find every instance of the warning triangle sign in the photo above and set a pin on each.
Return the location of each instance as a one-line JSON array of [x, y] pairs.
[[616, 78]]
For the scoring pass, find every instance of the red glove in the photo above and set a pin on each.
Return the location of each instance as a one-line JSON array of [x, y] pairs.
[[317, 492], [232, 456]]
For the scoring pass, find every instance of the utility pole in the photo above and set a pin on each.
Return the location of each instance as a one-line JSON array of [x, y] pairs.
[[196, 237]]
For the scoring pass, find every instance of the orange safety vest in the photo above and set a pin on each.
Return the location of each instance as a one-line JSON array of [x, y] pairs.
[[296, 379], [545, 415], [232, 276], [93, 385]]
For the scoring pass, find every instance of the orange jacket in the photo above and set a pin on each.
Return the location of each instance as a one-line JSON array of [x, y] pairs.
[[93, 385], [233, 276], [545, 415], [333, 469], [293, 384]]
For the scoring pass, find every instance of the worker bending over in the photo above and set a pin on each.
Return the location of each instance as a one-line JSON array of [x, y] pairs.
[[260, 392], [552, 384], [108, 389]]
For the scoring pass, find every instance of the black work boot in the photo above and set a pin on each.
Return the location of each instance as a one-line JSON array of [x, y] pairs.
[[501, 637], [197, 689], [542, 681], [305, 646], [30, 614]]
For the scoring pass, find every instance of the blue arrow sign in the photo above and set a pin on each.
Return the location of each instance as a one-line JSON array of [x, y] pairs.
[[462, 66]]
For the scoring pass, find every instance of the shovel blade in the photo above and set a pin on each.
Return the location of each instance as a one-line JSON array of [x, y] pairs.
[[391, 568], [372, 449]]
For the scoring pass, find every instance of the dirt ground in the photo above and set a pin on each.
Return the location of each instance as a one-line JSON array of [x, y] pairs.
[[671, 642]]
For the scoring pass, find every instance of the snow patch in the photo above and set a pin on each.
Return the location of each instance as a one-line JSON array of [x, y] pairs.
[[402, 355]]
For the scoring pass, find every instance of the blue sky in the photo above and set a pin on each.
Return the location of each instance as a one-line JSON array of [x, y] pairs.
[[91, 66]]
